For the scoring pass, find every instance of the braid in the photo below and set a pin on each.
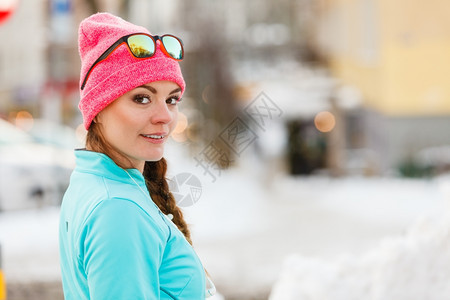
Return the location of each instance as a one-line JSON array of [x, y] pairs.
[[154, 174]]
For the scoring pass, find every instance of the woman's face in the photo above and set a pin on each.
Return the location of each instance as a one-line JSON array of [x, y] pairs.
[[138, 123]]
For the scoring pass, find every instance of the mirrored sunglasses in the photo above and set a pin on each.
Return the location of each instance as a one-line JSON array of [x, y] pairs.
[[142, 46]]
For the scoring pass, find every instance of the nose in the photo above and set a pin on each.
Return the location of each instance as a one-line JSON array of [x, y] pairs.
[[161, 113]]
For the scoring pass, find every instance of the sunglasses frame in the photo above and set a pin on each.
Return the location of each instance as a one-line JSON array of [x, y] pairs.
[[123, 40]]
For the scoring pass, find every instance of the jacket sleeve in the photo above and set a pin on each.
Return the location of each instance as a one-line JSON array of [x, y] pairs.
[[123, 250]]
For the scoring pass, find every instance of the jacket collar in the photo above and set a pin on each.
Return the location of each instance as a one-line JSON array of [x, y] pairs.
[[102, 165]]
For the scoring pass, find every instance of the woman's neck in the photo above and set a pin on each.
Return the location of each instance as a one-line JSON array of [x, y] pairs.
[[120, 159]]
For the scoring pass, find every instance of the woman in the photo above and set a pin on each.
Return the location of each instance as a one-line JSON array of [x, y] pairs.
[[122, 235]]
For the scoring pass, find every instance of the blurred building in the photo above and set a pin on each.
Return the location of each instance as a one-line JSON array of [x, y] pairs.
[[395, 54], [39, 65], [236, 49], [23, 63]]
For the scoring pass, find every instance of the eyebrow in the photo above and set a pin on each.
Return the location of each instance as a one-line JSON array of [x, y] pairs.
[[154, 91]]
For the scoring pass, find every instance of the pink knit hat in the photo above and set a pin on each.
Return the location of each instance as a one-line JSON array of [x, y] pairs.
[[121, 71]]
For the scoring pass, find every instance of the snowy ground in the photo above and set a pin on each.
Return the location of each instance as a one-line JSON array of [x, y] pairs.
[[414, 265], [245, 229], [317, 218]]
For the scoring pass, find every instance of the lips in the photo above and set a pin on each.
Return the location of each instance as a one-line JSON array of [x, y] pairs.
[[153, 136], [156, 138]]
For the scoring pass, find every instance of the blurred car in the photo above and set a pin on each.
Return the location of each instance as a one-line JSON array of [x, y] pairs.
[[31, 174], [54, 134]]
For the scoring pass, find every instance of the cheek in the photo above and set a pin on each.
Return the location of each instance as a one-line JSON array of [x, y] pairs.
[[118, 125]]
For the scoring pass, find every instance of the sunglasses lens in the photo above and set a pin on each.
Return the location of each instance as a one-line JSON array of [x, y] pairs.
[[141, 45], [173, 46]]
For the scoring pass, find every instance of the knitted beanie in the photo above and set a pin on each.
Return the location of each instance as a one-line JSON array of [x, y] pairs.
[[121, 71]]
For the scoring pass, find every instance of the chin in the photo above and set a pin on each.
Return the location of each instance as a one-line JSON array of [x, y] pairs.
[[151, 154], [154, 157]]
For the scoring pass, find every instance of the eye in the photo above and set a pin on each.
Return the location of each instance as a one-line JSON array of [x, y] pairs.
[[173, 100], [142, 99]]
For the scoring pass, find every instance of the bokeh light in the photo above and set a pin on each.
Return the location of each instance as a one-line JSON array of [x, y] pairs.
[[179, 137], [179, 133], [325, 121], [24, 120], [206, 94], [80, 133], [182, 123]]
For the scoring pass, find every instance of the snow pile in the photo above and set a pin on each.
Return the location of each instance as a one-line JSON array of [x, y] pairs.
[[416, 266]]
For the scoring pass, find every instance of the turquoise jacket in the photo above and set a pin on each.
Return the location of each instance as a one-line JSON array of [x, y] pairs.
[[116, 244]]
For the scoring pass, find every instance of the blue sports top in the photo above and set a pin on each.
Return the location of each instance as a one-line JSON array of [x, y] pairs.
[[116, 244]]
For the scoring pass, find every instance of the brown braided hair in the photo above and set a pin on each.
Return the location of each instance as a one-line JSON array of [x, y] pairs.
[[154, 174]]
